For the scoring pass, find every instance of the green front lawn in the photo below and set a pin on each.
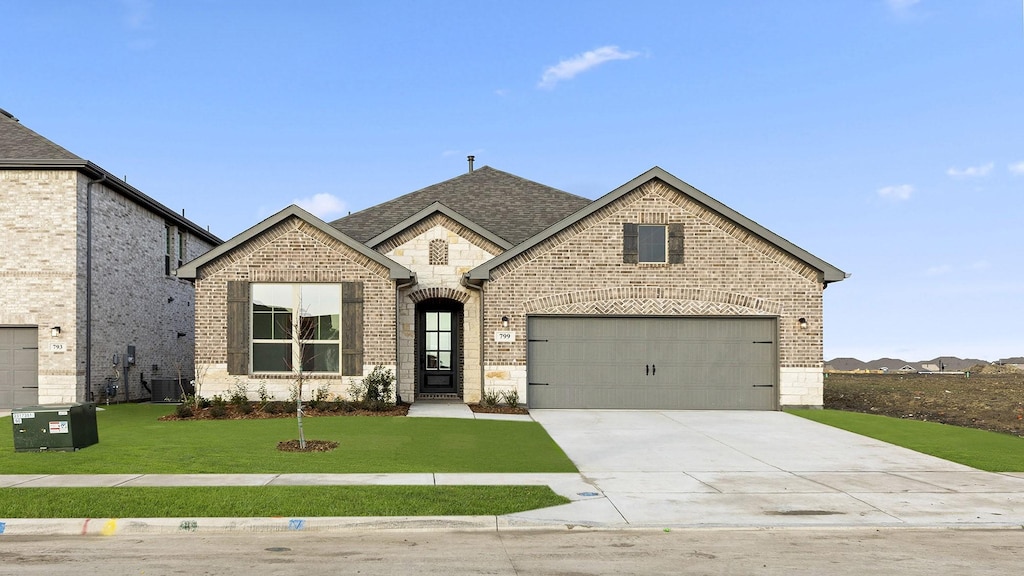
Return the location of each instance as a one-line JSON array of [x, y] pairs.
[[134, 441], [273, 501], [979, 449]]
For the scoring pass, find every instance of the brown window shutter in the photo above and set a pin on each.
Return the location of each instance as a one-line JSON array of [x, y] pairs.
[[630, 243], [351, 328], [238, 327], [675, 243]]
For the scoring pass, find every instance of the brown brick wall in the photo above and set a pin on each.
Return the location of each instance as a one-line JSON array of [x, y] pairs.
[[292, 251], [726, 270]]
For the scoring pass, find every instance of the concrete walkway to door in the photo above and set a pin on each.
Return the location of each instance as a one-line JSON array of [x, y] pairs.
[[731, 468]]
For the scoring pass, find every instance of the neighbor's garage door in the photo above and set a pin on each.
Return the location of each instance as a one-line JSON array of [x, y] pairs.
[[652, 363], [19, 367]]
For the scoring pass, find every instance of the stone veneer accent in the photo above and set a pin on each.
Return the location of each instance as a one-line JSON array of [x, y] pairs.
[[726, 270], [43, 283], [466, 250], [293, 251]]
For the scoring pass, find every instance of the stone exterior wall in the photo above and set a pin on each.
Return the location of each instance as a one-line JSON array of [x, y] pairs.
[[726, 270], [465, 250], [293, 251], [43, 273]]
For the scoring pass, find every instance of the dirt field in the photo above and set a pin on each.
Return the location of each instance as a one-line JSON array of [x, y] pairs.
[[986, 401]]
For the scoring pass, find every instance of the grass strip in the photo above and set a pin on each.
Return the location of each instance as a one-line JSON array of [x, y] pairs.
[[990, 451], [273, 501], [134, 441]]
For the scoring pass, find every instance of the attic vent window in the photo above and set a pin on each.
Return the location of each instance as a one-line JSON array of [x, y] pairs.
[[438, 252]]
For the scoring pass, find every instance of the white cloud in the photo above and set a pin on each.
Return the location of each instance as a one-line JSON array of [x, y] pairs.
[[503, 92], [323, 205], [971, 171], [981, 265], [939, 270], [567, 69], [1017, 167], [901, 192]]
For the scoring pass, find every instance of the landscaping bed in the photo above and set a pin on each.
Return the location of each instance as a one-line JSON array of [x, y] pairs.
[[258, 411], [986, 401]]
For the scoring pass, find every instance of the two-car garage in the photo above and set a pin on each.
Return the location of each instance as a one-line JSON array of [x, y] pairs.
[[666, 363]]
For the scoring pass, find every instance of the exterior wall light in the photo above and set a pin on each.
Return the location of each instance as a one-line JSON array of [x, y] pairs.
[[803, 323], [504, 321], [55, 331]]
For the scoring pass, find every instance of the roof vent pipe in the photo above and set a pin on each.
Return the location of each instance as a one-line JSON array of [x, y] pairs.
[[470, 158]]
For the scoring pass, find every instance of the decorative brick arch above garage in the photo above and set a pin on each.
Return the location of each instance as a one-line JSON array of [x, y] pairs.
[[653, 300]]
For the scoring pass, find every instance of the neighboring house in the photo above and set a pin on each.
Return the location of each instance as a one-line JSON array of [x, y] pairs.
[[87, 291], [652, 296]]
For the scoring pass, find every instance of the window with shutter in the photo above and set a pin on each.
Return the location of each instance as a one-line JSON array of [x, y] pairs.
[[303, 326]]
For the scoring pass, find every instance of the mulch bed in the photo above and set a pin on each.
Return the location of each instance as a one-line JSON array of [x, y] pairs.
[[500, 409], [311, 446], [283, 410]]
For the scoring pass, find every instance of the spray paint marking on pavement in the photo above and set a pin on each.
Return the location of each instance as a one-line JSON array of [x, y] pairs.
[[110, 527], [296, 524]]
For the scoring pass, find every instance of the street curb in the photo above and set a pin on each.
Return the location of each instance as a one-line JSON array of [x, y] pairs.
[[112, 527]]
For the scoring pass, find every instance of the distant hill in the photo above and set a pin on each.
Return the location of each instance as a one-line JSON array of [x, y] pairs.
[[939, 364]]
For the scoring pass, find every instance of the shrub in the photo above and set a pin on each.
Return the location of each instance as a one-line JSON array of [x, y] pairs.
[[218, 401], [218, 410], [511, 397], [321, 393], [375, 391], [491, 398], [183, 410], [246, 408], [239, 394]]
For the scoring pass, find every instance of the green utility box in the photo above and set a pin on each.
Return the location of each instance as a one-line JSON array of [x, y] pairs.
[[60, 427]]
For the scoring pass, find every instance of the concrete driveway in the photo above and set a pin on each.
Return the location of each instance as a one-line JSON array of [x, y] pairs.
[[732, 468]]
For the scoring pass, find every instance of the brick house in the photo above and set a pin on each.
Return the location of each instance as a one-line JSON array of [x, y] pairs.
[[652, 296], [87, 293]]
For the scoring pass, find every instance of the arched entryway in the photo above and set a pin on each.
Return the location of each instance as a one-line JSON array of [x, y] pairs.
[[439, 348]]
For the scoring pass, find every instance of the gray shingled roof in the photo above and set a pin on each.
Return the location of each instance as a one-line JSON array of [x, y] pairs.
[[511, 207], [19, 143]]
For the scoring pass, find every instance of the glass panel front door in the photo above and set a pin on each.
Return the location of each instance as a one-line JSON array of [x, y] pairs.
[[438, 348]]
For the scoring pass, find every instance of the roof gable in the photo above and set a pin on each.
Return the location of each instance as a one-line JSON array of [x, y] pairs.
[[191, 269], [437, 208], [505, 205], [829, 272]]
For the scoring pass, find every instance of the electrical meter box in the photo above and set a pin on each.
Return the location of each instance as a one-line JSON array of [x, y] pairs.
[[54, 427]]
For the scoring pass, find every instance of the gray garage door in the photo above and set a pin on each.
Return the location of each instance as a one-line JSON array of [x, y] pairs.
[[19, 367], [652, 363]]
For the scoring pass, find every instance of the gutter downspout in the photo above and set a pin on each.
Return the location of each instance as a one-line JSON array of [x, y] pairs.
[[398, 331], [480, 289], [88, 285]]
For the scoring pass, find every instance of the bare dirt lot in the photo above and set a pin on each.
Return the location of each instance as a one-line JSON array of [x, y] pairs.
[[987, 401]]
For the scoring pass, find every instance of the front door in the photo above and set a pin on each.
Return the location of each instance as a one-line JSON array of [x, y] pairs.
[[438, 364]]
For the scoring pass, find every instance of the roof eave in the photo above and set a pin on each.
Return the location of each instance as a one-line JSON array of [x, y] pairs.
[[94, 172]]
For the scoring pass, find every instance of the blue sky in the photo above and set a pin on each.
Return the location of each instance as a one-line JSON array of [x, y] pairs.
[[884, 136]]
